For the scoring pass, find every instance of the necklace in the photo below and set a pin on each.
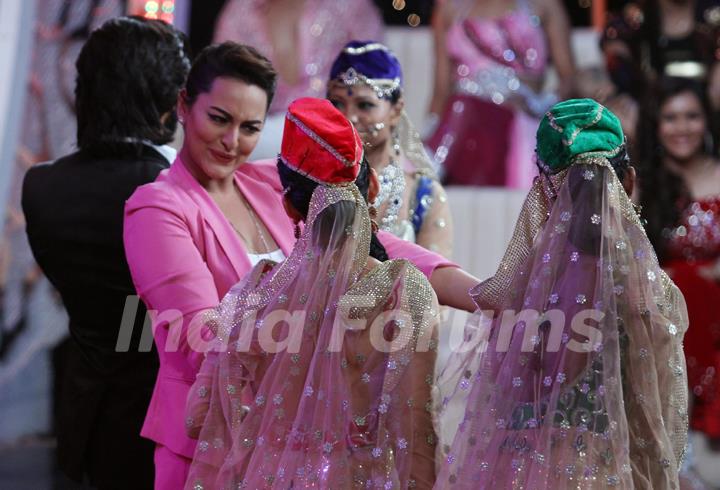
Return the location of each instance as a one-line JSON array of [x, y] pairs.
[[392, 187], [256, 222]]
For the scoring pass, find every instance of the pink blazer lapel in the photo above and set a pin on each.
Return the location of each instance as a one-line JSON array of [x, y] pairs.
[[267, 203], [226, 236]]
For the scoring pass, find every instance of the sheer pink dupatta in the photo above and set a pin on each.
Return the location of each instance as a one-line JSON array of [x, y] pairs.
[[340, 397], [590, 392]]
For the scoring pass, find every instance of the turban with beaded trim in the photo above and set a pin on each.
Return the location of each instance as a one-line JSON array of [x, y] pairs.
[[320, 143], [573, 128]]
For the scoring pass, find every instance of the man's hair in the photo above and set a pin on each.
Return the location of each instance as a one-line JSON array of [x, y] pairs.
[[231, 60], [129, 73]]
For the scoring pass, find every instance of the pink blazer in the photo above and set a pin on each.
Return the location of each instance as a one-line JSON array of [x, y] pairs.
[[184, 256]]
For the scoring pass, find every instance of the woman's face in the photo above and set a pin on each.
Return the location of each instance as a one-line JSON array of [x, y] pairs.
[[682, 126], [372, 116], [222, 128]]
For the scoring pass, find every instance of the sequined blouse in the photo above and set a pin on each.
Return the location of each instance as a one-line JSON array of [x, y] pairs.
[[697, 235], [424, 215], [493, 56]]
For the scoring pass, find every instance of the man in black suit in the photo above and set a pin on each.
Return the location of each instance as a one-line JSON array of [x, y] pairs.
[[129, 74]]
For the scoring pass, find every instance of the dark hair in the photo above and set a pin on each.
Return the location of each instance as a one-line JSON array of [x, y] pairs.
[[663, 194], [299, 190], [590, 195], [231, 60], [129, 73], [393, 98], [621, 163]]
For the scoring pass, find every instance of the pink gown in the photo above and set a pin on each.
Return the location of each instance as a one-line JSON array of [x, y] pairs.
[[482, 138]]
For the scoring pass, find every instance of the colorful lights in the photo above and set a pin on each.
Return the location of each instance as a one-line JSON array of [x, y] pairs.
[[153, 9]]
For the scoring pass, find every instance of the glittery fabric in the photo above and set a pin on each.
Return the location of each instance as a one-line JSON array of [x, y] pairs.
[[693, 248], [492, 62], [370, 63], [323, 29], [342, 398], [422, 214], [586, 386], [697, 236]]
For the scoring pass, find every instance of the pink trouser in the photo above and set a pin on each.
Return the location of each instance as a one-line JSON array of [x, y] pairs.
[[171, 469]]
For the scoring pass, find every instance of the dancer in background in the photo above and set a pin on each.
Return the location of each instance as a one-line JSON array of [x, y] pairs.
[[366, 85], [586, 388], [73, 208], [491, 58], [301, 38], [324, 412], [680, 194]]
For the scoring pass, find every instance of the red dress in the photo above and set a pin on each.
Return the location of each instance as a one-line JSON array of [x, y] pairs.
[[693, 244]]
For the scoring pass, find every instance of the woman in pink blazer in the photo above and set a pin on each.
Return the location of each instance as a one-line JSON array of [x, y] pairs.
[[202, 225]]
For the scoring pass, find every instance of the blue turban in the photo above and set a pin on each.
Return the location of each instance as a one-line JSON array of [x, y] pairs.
[[368, 62]]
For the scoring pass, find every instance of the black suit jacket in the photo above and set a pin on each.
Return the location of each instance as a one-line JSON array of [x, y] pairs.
[[74, 212]]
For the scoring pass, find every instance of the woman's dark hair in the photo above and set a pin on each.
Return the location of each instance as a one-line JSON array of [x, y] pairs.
[[621, 163], [129, 73], [393, 98], [230, 60], [299, 190], [589, 197], [663, 194]]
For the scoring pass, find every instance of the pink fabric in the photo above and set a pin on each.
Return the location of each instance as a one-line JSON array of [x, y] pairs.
[[323, 29], [492, 59], [171, 469], [184, 256], [480, 43], [319, 415], [585, 388], [422, 258], [396, 248]]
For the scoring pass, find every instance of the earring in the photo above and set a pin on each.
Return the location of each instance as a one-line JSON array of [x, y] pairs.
[[396, 142], [376, 128], [372, 211], [297, 230]]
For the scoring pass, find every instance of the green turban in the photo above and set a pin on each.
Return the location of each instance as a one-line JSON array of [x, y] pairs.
[[576, 127]]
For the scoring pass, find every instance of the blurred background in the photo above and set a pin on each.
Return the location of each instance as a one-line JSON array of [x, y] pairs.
[[628, 55]]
